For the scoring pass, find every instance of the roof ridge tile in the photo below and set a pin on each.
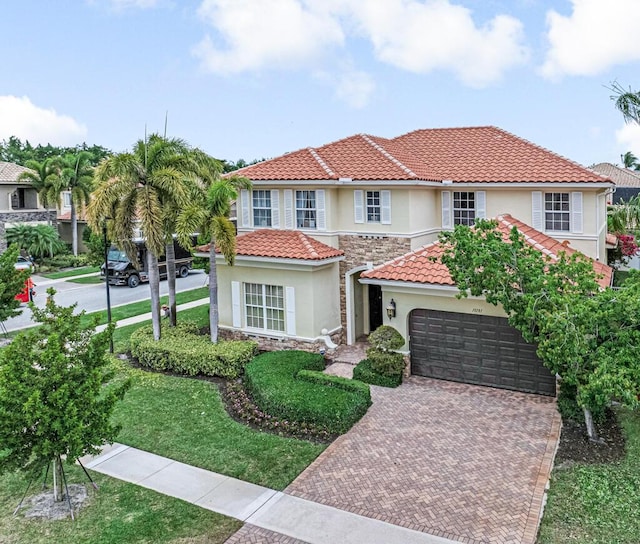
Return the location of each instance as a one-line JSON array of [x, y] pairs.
[[388, 155], [321, 162]]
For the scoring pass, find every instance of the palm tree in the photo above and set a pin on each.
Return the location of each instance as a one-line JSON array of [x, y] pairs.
[[76, 176], [138, 188], [624, 217], [629, 160], [627, 102], [213, 221], [45, 179]]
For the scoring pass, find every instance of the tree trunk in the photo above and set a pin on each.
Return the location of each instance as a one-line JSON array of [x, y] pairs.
[[74, 229], [213, 292], [154, 288], [591, 428], [57, 479], [171, 280]]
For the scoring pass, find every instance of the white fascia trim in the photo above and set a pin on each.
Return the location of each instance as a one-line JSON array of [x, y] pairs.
[[370, 234], [436, 184], [274, 335], [293, 262], [410, 287]]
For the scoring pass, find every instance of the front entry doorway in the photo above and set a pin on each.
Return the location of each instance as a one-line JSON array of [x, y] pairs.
[[375, 307]]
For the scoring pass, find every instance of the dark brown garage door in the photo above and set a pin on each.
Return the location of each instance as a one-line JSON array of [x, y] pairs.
[[476, 349]]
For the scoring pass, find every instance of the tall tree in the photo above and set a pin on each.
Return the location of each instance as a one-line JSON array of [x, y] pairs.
[[57, 392], [45, 178], [627, 102], [212, 220], [587, 335], [76, 176], [630, 161], [137, 188]]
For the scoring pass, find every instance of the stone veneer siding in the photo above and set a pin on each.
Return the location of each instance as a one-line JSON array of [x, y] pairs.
[[266, 343], [20, 216], [361, 249]]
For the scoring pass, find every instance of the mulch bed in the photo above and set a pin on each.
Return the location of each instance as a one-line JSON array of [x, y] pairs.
[[575, 446]]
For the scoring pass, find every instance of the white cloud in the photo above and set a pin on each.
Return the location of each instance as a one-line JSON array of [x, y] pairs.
[[424, 36], [629, 138], [120, 5], [265, 34], [414, 35], [21, 118], [354, 87], [597, 35]]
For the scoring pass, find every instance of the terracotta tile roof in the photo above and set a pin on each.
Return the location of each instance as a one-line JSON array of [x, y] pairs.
[[471, 154], [282, 244], [611, 240], [9, 172], [419, 266], [66, 216], [622, 177]]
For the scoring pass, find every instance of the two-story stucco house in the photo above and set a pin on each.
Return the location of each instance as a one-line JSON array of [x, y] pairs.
[[334, 241], [19, 202]]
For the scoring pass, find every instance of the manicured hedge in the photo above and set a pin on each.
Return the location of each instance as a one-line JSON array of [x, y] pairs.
[[365, 373], [181, 349], [290, 385]]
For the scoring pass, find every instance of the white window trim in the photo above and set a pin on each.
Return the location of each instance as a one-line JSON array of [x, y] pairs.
[[264, 309], [254, 208], [320, 210], [544, 214]]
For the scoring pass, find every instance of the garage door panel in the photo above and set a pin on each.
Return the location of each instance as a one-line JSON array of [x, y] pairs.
[[477, 349]]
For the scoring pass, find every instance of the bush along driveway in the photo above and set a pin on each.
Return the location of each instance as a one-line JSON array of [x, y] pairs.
[[457, 461]]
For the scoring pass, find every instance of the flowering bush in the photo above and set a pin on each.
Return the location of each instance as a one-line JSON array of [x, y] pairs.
[[627, 245]]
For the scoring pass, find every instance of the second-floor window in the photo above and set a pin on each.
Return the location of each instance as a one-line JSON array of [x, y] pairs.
[[557, 215], [306, 209], [374, 208], [66, 199], [262, 208], [464, 208]]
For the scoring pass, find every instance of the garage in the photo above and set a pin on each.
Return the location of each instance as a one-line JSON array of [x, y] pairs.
[[476, 349]]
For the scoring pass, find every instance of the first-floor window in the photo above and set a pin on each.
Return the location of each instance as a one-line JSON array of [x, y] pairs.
[[264, 306], [261, 208], [556, 211], [464, 208], [306, 209]]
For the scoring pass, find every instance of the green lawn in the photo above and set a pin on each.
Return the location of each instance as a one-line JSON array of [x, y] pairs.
[[71, 273], [118, 512], [184, 419], [597, 504], [85, 280]]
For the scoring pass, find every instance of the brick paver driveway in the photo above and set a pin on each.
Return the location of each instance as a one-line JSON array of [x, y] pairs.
[[459, 461]]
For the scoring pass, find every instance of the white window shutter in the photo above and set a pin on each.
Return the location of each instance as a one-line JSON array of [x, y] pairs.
[[385, 207], [358, 207], [235, 304], [290, 303], [288, 209], [576, 212], [481, 204], [321, 214], [244, 204], [447, 219], [537, 213], [275, 208]]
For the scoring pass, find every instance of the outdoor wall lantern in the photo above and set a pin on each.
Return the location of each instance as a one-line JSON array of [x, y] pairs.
[[391, 309]]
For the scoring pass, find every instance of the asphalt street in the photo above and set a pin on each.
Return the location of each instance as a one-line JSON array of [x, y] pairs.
[[92, 297]]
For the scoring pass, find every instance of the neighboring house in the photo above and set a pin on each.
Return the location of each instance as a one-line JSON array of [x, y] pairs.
[[627, 181], [320, 223], [19, 202], [64, 221]]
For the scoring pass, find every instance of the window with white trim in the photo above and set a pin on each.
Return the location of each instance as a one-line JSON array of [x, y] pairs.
[[66, 199], [306, 210], [557, 214], [374, 207], [264, 306], [464, 208], [261, 208]]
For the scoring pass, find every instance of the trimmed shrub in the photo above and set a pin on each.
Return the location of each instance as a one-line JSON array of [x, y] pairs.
[[385, 338], [290, 385], [181, 349], [386, 363], [365, 373]]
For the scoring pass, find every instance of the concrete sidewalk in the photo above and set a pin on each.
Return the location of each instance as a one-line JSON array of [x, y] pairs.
[[259, 506]]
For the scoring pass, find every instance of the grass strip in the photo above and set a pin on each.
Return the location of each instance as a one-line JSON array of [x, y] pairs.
[[71, 273], [597, 504], [119, 512], [86, 280]]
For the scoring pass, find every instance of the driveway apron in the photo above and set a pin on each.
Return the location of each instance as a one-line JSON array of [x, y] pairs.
[[463, 462]]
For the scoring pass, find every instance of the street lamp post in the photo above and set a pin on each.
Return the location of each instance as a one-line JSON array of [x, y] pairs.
[[106, 278]]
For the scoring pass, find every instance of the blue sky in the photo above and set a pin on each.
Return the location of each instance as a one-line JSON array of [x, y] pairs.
[[258, 78]]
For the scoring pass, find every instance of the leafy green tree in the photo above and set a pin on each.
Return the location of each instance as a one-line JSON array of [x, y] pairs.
[[57, 392], [558, 305], [16, 151], [140, 188], [630, 161], [45, 178], [627, 102], [212, 220], [95, 246], [11, 283]]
